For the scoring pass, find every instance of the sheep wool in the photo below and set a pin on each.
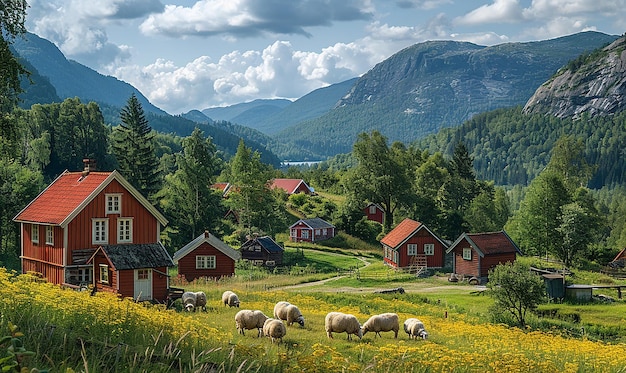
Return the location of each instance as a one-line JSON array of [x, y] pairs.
[[415, 329], [279, 309], [384, 322], [189, 300], [230, 299], [201, 300], [286, 311], [248, 319], [275, 329], [339, 322]]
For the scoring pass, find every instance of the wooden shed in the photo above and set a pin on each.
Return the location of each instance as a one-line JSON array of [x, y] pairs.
[[206, 256], [412, 244], [262, 251], [476, 253], [311, 230], [138, 271]]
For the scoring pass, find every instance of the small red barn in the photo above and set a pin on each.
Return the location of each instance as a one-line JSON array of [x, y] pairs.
[[476, 253], [311, 230], [206, 256], [374, 212], [411, 243], [291, 186], [78, 213], [137, 271]]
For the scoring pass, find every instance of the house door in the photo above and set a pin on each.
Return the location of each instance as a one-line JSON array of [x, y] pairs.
[[143, 284]]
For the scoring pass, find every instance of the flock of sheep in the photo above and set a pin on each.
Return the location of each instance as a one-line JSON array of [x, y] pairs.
[[335, 322]]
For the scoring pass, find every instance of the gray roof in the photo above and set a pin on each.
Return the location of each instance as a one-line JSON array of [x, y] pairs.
[[134, 256], [211, 240], [266, 242], [314, 223]]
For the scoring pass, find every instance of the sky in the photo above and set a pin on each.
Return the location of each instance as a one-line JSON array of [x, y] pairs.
[[196, 54]]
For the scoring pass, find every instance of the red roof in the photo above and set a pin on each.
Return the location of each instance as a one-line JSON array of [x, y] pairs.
[[69, 193], [62, 197], [492, 243], [400, 233], [289, 185]]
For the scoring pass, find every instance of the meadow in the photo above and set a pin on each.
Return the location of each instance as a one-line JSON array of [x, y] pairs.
[[69, 331]]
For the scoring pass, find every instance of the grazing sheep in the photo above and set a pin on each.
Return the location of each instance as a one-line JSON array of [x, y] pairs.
[[189, 300], [230, 299], [201, 300], [275, 329], [339, 322], [385, 322], [289, 312], [248, 319], [415, 328]]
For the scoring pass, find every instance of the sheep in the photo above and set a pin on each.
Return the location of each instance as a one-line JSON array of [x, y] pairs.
[[201, 300], [384, 322], [339, 322], [230, 299], [189, 300], [289, 312], [275, 329], [248, 319], [415, 328]]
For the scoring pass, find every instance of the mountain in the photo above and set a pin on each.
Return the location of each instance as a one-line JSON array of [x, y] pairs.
[[71, 79], [594, 83], [434, 85], [229, 113]]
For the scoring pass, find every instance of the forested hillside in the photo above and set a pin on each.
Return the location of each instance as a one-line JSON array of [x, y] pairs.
[[512, 148]]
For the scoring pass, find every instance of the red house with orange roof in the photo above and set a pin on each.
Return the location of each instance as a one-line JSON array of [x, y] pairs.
[[411, 243], [291, 186], [476, 253], [95, 228]]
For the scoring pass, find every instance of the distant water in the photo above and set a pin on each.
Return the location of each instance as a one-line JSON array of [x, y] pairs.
[[298, 163]]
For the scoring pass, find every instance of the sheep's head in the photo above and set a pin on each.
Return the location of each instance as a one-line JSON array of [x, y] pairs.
[[300, 320], [422, 334], [360, 333], [189, 307]]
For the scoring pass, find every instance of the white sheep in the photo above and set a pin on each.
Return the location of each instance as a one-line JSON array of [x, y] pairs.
[[230, 299], [275, 329], [415, 328], [289, 312], [189, 299], [201, 300], [385, 322], [248, 319], [339, 322]]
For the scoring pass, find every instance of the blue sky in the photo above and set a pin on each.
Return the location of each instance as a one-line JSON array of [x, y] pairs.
[[195, 54]]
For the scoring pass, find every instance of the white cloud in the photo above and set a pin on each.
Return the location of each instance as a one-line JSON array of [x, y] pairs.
[[422, 4], [500, 11], [543, 9]]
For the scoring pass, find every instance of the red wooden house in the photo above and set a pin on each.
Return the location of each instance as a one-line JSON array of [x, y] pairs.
[[374, 212], [80, 212], [412, 244], [206, 257], [291, 186], [476, 253], [311, 230]]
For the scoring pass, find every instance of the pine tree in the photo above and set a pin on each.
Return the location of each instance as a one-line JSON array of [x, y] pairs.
[[134, 147]]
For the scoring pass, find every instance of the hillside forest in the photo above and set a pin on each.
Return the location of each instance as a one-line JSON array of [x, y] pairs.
[[552, 211]]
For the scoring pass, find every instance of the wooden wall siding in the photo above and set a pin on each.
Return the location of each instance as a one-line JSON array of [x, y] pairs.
[[126, 283], [160, 284], [52, 273], [420, 238], [111, 287], [145, 225], [42, 251], [224, 265], [490, 261]]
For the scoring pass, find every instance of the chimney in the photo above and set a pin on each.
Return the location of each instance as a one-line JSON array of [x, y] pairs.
[[206, 234], [89, 165]]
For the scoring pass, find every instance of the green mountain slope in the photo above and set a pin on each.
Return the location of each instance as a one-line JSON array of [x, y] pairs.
[[435, 85]]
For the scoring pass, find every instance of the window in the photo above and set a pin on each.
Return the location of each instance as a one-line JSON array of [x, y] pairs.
[[372, 209], [325, 232], [467, 253], [125, 230], [205, 262], [104, 273], [49, 235], [100, 231], [429, 249], [83, 275], [143, 274], [114, 203], [305, 234], [317, 232], [34, 233], [411, 249]]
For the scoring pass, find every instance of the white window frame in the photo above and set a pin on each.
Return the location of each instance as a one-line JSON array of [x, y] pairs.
[[49, 235], [83, 275], [34, 233], [205, 262], [113, 203], [467, 253], [429, 249], [104, 273], [100, 226], [372, 210], [143, 274], [411, 249], [325, 232], [125, 231], [304, 234]]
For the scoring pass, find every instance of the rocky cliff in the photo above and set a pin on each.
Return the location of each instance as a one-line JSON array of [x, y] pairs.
[[595, 84]]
